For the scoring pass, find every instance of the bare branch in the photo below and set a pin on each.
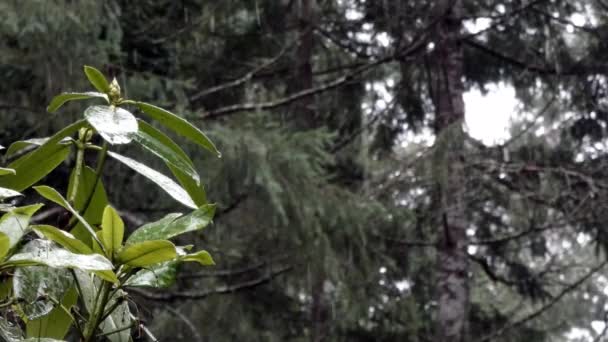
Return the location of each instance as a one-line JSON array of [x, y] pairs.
[[247, 77], [181, 295], [545, 307]]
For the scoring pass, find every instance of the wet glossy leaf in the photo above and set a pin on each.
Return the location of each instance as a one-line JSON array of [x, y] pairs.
[[5, 245], [14, 224], [10, 332], [179, 125], [56, 324], [43, 252], [22, 146], [172, 225], [34, 285], [33, 166], [116, 125], [60, 99], [119, 319], [7, 193], [163, 147], [95, 208], [112, 230], [97, 79], [5, 171], [192, 185], [63, 238], [202, 257], [164, 182], [160, 275], [54, 196], [142, 233], [147, 253]]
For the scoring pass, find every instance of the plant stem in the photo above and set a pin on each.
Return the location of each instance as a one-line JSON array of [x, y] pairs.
[[77, 172], [98, 311], [101, 160]]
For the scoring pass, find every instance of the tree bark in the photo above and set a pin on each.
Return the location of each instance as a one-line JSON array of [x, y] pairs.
[[303, 113], [447, 95], [302, 117]]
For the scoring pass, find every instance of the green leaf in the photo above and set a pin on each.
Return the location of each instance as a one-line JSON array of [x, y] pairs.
[[54, 196], [5, 245], [56, 324], [192, 185], [98, 202], [160, 275], [107, 276], [63, 238], [33, 285], [116, 125], [44, 252], [119, 320], [173, 225], [97, 79], [179, 125], [60, 99], [5, 171], [147, 253], [29, 144], [112, 230], [202, 257], [162, 146], [32, 167], [165, 183], [14, 224], [10, 332], [6, 193]]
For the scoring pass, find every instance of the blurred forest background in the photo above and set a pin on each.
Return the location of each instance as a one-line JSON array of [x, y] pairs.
[[352, 205]]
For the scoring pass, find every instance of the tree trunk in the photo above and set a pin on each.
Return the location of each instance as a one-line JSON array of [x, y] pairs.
[[447, 96], [302, 117], [303, 113]]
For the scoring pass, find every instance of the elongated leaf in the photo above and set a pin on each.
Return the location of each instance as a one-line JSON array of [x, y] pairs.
[[32, 167], [97, 204], [54, 196], [163, 147], [160, 275], [5, 245], [56, 324], [14, 224], [23, 146], [179, 125], [147, 253], [60, 99], [97, 79], [119, 320], [116, 125], [112, 230], [43, 252], [172, 225], [33, 285], [5, 171], [10, 332], [202, 257], [6, 193], [165, 183], [191, 184], [63, 238]]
